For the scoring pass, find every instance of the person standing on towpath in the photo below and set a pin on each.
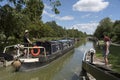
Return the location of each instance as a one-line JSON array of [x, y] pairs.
[[106, 49]]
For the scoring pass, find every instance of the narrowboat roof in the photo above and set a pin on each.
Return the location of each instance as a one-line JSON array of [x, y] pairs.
[[66, 40]]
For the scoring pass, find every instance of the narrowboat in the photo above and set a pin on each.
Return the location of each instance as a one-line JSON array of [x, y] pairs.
[[37, 55]]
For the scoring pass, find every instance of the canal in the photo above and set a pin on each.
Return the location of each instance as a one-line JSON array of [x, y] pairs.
[[67, 67]]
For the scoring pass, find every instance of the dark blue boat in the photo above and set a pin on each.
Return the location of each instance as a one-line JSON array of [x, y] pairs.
[[41, 54]]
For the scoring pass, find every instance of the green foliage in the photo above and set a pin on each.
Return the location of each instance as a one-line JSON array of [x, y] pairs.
[[113, 57], [106, 26], [39, 30], [34, 9], [116, 31], [58, 30], [62, 32], [54, 5]]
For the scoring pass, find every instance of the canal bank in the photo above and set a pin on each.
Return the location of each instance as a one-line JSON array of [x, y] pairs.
[[113, 56]]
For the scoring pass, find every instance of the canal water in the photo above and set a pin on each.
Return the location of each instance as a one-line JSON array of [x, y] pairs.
[[67, 67]]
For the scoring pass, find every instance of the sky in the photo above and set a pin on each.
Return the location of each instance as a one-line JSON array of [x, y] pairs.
[[83, 15]]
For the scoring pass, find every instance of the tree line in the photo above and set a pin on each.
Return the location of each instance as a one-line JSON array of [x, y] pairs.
[[18, 15], [109, 27]]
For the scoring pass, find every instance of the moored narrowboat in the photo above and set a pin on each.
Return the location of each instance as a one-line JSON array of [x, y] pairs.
[[37, 55]]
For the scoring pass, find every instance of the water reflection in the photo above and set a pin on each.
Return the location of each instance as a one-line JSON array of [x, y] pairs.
[[67, 67]]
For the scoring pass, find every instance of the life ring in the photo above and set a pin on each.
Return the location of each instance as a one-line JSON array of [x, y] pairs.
[[35, 53]]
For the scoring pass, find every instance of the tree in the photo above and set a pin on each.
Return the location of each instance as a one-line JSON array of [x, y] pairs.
[[58, 30], [34, 9], [116, 31], [105, 26], [39, 30], [55, 4], [12, 23]]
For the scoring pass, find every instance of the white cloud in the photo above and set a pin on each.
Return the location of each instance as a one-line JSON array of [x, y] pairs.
[[48, 14], [86, 16], [64, 18], [89, 28], [47, 7], [90, 5]]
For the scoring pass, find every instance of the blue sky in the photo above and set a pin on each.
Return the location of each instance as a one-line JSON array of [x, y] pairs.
[[83, 15]]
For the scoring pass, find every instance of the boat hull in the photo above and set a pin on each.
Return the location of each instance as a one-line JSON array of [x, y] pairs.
[[27, 66]]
